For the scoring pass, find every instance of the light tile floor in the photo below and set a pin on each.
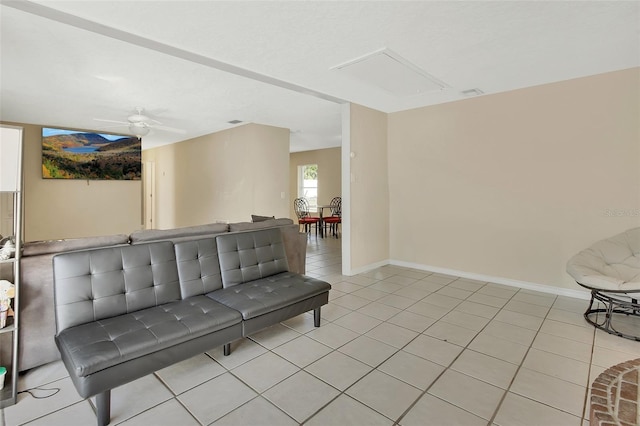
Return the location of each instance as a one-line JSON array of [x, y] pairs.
[[396, 346]]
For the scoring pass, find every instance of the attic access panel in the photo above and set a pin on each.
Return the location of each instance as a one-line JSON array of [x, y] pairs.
[[389, 71]]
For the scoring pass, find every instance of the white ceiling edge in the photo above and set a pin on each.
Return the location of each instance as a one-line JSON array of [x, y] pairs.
[[493, 46], [127, 37]]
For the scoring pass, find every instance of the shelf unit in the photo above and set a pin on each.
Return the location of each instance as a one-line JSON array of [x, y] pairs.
[[11, 225]]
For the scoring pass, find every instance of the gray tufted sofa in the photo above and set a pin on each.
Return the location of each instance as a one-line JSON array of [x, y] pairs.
[[123, 312], [37, 320]]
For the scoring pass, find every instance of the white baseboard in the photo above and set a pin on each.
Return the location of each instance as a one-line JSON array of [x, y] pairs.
[[559, 291], [366, 268]]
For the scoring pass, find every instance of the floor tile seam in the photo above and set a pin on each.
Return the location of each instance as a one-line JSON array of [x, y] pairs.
[[386, 374], [48, 413], [559, 378], [541, 403], [587, 326], [258, 392], [166, 385], [520, 366], [287, 342], [386, 359], [533, 304], [364, 285], [542, 373], [506, 391], [631, 354], [477, 332], [585, 408], [341, 353], [173, 396], [347, 307], [559, 354], [568, 338], [447, 368], [344, 391], [183, 406], [311, 338], [567, 310], [269, 349], [458, 325], [347, 396], [431, 304], [346, 343], [502, 387], [397, 423], [494, 295], [553, 306], [516, 325], [259, 395], [570, 324], [563, 410]]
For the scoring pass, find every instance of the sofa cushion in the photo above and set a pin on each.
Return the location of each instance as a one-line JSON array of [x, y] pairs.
[[92, 347], [265, 295], [249, 256], [199, 231], [198, 267], [102, 283]]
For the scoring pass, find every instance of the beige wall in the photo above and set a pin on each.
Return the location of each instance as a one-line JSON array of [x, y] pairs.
[[56, 209], [368, 212], [511, 185], [224, 176], [329, 174]]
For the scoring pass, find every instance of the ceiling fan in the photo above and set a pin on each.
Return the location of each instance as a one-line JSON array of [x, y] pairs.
[[140, 124]]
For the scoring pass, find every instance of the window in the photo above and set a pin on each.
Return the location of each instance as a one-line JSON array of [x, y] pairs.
[[308, 184]]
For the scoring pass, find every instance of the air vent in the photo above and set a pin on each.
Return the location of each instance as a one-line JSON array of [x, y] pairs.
[[472, 92], [234, 121], [389, 71]]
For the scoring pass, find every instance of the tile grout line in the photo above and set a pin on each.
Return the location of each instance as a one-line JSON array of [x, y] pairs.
[[587, 391], [397, 422], [504, 396], [375, 368]]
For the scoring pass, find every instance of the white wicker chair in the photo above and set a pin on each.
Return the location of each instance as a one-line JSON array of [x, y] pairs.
[[610, 269]]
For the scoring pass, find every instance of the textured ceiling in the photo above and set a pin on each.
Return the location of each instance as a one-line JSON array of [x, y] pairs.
[[196, 65]]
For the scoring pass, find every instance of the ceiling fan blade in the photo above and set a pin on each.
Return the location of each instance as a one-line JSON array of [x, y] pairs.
[[169, 129], [112, 121], [112, 127]]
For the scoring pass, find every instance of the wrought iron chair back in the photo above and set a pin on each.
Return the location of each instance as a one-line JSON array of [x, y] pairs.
[[336, 206], [301, 207]]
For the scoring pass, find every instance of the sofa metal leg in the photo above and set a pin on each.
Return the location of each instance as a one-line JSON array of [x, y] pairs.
[[316, 317], [227, 349], [103, 407]]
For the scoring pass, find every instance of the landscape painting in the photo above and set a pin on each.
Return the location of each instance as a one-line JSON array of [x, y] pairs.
[[71, 154]]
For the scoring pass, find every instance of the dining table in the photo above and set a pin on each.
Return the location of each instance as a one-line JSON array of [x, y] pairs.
[[320, 212]]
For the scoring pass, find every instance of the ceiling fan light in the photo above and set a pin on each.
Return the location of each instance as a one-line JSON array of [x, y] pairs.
[[138, 130]]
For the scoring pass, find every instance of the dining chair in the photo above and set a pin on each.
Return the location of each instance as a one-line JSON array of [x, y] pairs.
[[336, 216], [301, 207]]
